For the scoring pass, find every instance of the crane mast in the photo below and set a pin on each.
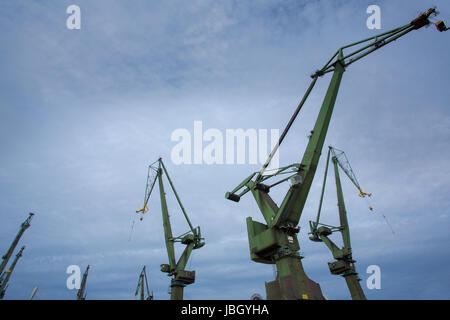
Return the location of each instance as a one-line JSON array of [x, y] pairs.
[[191, 239], [276, 241], [4, 278], [81, 292], [24, 226], [344, 264]]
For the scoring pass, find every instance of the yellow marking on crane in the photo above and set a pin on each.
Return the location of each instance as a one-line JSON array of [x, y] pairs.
[[362, 194], [144, 209]]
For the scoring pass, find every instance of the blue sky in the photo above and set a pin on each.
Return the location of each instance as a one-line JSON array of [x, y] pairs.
[[83, 112]]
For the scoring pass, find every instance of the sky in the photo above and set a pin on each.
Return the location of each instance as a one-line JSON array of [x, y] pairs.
[[84, 112]]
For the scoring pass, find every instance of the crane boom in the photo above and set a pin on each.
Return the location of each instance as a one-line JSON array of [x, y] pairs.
[[276, 241], [342, 160], [4, 278], [24, 226], [148, 191]]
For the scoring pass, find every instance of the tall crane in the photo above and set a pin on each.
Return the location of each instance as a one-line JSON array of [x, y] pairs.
[[4, 278], [25, 225], [191, 239], [275, 242], [344, 264], [142, 282], [80, 294]]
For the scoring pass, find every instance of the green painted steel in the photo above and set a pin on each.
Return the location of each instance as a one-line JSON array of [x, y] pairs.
[[276, 241], [143, 286], [4, 278], [81, 292], [25, 225], [192, 239], [170, 245], [344, 264], [292, 206]]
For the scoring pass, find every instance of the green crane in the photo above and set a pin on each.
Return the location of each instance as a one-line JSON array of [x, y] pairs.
[[275, 242], [191, 239], [25, 225], [344, 264], [4, 278], [141, 283], [80, 294]]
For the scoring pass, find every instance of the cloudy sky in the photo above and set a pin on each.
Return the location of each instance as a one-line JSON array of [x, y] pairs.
[[83, 112]]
